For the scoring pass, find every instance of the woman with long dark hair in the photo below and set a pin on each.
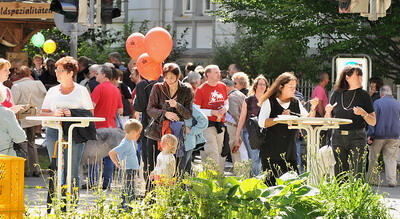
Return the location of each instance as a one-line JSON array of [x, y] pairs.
[[350, 101], [278, 154], [171, 102]]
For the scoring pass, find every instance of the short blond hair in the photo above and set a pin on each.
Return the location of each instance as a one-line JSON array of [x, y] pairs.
[[242, 77], [171, 142], [133, 125], [4, 62]]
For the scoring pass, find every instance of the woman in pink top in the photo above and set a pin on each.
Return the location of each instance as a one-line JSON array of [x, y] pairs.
[[320, 93]]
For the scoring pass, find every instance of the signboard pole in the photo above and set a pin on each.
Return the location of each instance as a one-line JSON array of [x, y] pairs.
[[73, 43]]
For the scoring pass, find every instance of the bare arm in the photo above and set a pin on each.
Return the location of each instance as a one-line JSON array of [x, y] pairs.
[[242, 118], [114, 158], [47, 112], [328, 110], [120, 111], [370, 118]]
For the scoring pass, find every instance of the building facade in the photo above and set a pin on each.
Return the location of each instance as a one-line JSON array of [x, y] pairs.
[[191, 19]]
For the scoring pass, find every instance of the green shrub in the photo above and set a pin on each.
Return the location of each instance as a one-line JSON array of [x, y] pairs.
[[350, 197], [211, 195]]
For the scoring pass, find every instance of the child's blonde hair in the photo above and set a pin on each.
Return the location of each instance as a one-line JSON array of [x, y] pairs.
[[169, 143], [133, 125]]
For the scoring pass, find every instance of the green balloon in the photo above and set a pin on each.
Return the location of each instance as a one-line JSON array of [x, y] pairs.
[[37, 39]]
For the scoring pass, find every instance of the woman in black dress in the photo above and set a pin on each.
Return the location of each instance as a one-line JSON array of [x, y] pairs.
[[278, 154], [350, 101]]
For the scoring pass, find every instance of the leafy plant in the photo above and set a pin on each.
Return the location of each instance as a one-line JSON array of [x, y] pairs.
[[302, 21], [211, 195], [350, 197]]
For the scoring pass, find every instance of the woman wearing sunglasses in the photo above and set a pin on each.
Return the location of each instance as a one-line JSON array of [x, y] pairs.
[[350, 101]]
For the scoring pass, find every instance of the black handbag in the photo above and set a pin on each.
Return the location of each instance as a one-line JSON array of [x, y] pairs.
[[153, 130], [257, 134]]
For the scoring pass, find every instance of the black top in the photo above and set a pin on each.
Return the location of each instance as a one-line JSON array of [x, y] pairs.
[[344, 108], [48, 78], [127, 80], [280, 139], [80, 135], [92, 84], [81, 75], [375, 96], [126, 95], [143, 90], [245, 91]]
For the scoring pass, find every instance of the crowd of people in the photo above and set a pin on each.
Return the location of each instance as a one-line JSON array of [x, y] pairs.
[[201, 109]]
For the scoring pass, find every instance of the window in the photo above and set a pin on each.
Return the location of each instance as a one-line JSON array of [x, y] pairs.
[[206, 6], [187, 6]]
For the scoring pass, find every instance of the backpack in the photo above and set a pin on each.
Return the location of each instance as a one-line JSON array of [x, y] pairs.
[[256, 133]]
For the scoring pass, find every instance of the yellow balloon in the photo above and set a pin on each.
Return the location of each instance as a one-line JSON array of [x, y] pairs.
[[49, 46]]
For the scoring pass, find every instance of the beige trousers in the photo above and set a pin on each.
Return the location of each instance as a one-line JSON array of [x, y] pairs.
[[389, 148], [213, 147], [231, 132]]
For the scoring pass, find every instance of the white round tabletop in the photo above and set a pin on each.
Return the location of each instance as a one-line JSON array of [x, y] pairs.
[[65, 119], [312, 120]]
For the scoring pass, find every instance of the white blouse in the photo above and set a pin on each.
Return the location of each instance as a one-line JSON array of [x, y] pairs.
[[266, 110], [79, 98]]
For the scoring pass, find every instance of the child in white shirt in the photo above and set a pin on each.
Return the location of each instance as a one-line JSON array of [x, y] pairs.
[[166, 163]]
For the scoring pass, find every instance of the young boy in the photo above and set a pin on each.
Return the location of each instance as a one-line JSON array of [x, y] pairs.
[[125, 152]]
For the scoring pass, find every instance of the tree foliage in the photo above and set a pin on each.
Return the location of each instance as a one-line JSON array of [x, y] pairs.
[[300, 20]]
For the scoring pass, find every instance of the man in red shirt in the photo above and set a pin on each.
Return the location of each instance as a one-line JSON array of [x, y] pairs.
[[107, 102], [106, 99], [212, 99]]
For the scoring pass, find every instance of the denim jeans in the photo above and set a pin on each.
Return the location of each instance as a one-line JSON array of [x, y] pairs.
[[107, 172], [185, 163], [254, 154], [128, 193], [77, 152], [298, 152]]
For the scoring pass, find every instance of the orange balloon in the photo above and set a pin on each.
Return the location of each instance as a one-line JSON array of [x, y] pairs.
[[148, 68], [135, 45], [158, 44]]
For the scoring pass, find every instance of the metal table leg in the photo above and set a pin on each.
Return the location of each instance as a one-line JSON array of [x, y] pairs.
[[82, 124], [57, 125], [313, 143]]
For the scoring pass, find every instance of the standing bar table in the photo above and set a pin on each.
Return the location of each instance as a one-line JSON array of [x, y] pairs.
[[313, 127], [56, 123]]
